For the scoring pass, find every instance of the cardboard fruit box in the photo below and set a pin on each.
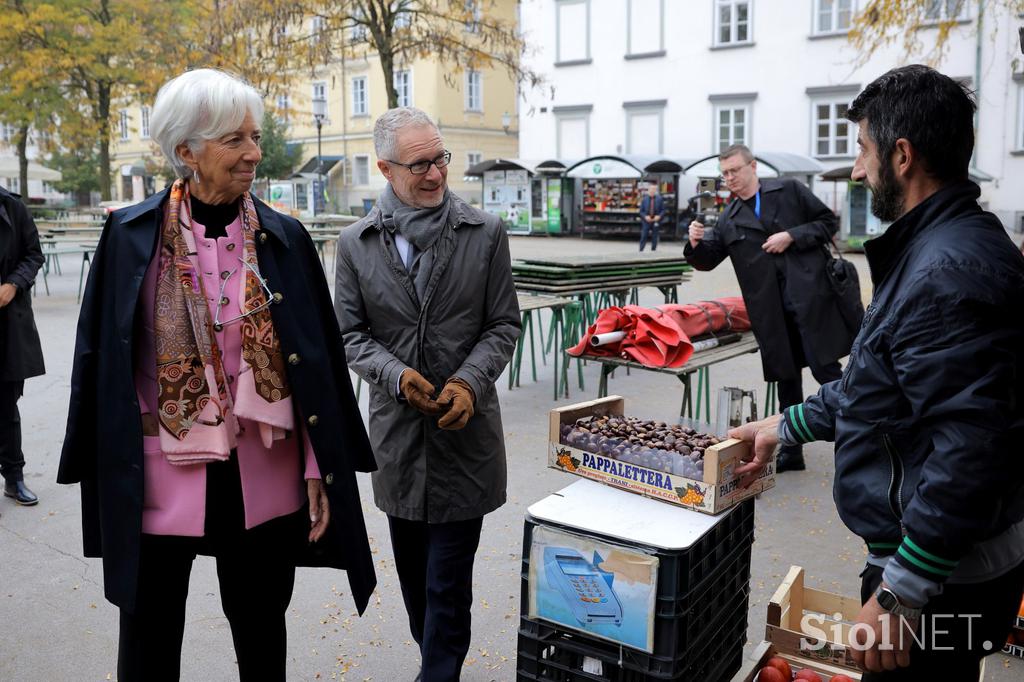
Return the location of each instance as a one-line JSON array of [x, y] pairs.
[[719, 490], [765, 650], [789, 633]]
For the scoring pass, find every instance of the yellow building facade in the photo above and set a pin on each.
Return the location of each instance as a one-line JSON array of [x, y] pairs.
[[476, 112]]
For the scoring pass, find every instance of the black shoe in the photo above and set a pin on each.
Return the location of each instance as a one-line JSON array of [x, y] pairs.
[[789, 460], [20, 492]]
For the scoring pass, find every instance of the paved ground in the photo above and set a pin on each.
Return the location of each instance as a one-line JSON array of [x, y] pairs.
[[56, 625]]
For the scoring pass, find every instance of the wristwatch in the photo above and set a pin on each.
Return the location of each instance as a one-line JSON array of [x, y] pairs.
[[888, 600]]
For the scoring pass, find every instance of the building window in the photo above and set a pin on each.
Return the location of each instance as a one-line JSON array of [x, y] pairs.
[[361, 170], [472, 159], [732, 125], [358, 32], [833, 134], [1020, 119], [123, 125], [474, 91], [403, 18], [320, 92], [14, 185], [832, 16], [473, 16], [360, 106], [284, 105], [572, 21], [945, 10], [573, 133], [645, 29], [316, 27], [403, 86], [644, 130], [144, 118], [7, 133], [732, 22]]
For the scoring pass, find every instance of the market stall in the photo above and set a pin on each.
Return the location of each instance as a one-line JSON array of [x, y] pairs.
[[610, 188], [529, 196], [857, 223]]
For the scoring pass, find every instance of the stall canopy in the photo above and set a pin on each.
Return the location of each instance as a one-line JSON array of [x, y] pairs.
[[625, 166], [308, 169], [9, 169], [844, 173], [548, 166], [769, 165]]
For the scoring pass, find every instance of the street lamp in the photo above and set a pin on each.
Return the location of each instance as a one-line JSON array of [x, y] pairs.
[[506, 121], [319, 114]]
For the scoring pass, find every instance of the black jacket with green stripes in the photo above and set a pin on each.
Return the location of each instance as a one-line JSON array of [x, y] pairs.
[[928, 417]]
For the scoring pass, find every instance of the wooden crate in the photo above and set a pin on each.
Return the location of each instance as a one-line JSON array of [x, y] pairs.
[[720, 489], [766, 650], [791, 602]]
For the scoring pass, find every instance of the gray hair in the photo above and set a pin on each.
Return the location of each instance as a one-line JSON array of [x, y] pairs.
[[390, 123], [734, 149], [197, 106]]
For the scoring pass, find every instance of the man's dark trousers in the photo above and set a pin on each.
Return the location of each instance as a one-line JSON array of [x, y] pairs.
[[12, 460], [649, 228], [435, 569], [959, 622], [791, 391]]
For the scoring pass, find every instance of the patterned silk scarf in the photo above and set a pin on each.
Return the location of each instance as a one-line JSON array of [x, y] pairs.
[[200, 424]]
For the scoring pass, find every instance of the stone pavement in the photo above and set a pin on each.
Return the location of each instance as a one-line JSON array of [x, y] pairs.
[[56, 625]]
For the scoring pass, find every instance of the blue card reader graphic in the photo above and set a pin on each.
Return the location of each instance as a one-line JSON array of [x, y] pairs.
[[586, 589]]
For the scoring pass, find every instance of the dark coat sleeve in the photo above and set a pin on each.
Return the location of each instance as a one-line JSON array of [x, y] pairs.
[[357, 445], [821, 222], [31, 257], [709, 252], [78, 456]]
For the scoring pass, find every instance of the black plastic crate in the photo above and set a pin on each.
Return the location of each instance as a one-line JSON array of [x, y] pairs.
[[547, 653], [680, 573], [679, 624]]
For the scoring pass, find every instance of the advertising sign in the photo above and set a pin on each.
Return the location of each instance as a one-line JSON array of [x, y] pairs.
[[282, 197], [603, 590], [554, 199]]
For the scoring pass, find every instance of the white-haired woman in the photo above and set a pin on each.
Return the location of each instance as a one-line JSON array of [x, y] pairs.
[[211, 408]]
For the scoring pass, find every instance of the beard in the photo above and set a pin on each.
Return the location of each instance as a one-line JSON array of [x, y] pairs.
[[887, 195]]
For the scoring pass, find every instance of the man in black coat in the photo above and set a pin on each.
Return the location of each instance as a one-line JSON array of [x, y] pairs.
[[777, 232], [21, 356]]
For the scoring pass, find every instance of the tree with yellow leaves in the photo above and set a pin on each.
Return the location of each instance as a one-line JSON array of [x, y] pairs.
[[884, 22]]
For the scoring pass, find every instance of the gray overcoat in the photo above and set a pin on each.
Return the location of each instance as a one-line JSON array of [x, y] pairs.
[[465, 326]]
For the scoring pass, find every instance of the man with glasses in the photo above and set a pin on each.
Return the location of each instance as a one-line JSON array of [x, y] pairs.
[[425, 299], [777, 232]]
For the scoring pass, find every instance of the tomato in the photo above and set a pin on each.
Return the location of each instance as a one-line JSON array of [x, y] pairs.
[[781, 665], [770, 674], [808, 675], [841, 678]]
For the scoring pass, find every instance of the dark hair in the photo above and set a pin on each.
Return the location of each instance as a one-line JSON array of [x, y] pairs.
[[734, 149], [932, 111]]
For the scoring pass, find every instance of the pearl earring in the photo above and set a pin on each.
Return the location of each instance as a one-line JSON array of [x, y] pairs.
[[195, 174]]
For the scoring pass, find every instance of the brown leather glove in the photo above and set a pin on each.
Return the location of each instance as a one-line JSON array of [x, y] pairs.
[[418, 392], [458, 396]]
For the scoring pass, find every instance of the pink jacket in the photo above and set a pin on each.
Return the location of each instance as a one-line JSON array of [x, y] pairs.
[[272, 479]]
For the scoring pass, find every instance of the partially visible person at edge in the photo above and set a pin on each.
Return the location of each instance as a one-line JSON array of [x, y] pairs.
[[776, 232], [211, 408], [21, 356], [425, 298], [928, 418], [652, 215]]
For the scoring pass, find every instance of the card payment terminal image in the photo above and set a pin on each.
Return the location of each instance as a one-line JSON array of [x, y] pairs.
[[587, 590]]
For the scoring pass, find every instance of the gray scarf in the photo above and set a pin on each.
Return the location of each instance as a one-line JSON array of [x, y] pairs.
[[420, 226]]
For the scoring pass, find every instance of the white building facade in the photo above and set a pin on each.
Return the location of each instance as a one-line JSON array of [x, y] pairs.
[[685, 78]]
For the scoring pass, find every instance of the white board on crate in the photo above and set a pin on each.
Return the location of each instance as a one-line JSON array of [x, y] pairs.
[[597, 508]]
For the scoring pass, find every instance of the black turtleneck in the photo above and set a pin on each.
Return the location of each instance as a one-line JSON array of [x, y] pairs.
[[214, 217]]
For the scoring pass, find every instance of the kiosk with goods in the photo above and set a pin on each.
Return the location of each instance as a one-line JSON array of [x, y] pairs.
[[611, 188], [530, 197]]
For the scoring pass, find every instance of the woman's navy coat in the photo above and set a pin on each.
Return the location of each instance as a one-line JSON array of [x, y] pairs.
[[103, 445]]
